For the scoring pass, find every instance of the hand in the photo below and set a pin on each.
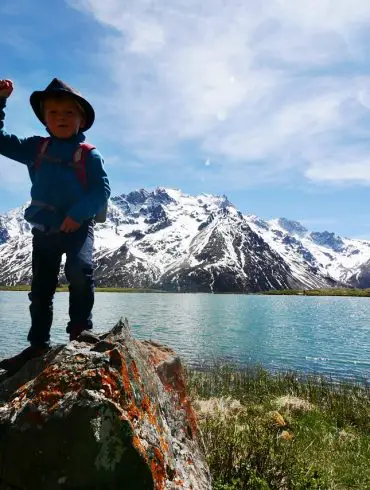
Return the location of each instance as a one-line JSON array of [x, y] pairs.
[[69, 225], [6, 88]]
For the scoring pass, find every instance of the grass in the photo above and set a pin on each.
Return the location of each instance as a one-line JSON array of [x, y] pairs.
[[264, 431], [64, 288], [305, 292], [321, 292]]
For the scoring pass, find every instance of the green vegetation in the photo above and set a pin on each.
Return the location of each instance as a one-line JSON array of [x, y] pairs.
[[273, 432], [20, 287], [64, 288], [320, 292], [305, 292]]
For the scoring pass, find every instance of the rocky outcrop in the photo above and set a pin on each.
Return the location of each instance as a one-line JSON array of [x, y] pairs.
[[108, 415]]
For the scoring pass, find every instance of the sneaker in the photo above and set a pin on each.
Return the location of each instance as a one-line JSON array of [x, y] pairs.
[[75, 331], [84, 336], [15, 363], [73, 335]]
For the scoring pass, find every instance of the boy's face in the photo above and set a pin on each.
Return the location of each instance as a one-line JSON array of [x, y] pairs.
[[63, 117]]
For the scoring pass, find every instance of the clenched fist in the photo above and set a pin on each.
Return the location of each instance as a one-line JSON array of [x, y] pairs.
[[69, 225], [6, 88]]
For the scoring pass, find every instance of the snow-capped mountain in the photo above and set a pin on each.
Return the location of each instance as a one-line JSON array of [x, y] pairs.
[[320, 253], [168, 240]]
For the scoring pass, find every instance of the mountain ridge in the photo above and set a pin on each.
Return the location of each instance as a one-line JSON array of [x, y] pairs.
[[166, 239]]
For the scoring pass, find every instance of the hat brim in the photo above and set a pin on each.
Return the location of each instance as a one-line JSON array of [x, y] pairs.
[[40, 96]]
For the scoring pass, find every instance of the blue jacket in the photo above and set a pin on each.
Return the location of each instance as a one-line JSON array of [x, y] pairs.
[[56, 184]]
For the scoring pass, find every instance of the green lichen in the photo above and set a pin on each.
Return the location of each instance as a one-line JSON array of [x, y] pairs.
[[107, 430]]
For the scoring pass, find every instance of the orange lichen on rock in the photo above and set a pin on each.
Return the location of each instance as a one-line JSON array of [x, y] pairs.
[[145, 403], [117, 357], [91, 372], [139, 446], [164, 444], [49, 396], [110, 385], [135, 371], [190, 416], [177, 385], [148, 408], [157, 356], [173, 380], [158, 470], [133, 412], [129, 395], [47, 389]]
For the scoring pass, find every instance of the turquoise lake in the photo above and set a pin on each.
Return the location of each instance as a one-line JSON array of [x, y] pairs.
[[323, 335]]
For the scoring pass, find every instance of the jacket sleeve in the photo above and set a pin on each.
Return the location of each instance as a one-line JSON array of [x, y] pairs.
[[22, 150], [98, 189]]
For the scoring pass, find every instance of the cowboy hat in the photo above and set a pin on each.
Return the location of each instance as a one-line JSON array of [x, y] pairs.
[[57, 88]]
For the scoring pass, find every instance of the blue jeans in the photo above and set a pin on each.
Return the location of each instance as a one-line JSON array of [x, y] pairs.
[[47, 252]]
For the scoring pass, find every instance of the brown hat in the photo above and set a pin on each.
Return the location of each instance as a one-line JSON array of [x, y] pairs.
[[58, 88]]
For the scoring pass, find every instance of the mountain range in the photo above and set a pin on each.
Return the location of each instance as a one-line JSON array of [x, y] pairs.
[[165, 239]]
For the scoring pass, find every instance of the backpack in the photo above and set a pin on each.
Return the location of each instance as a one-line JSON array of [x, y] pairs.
[[78, 163]]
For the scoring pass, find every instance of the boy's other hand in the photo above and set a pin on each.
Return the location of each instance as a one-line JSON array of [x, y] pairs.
[[6, 88], [69, 225]]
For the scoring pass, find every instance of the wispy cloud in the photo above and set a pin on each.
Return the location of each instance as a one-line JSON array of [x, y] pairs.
[[341, 169], [267, 86]]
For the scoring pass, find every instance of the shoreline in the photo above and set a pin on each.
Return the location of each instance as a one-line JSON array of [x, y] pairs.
[[318, 292], [64, 289], [281, 292]]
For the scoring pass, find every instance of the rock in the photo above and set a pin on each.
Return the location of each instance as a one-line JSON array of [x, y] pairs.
[[106, 416], [88, 337]]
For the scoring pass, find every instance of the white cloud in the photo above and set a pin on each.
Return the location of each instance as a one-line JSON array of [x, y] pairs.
[[323, 15], [341, 170], [242, 81]]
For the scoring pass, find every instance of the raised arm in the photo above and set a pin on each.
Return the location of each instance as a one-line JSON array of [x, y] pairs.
[[22, 150]]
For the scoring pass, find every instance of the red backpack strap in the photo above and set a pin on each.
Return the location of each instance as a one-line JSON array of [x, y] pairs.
[[79, 158], [41, 150]]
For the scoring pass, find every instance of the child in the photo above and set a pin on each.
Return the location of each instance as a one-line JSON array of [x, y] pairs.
[[62, 209]]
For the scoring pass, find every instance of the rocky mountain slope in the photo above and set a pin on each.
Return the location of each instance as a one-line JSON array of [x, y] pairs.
[[168, 240], [324, 253]]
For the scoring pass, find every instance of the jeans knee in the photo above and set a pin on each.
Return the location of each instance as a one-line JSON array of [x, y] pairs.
[[79, 276]]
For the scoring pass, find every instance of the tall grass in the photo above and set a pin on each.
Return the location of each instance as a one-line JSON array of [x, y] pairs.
[[284, 431]]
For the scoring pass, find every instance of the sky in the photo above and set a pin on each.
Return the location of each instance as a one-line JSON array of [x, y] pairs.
[[265, 102]]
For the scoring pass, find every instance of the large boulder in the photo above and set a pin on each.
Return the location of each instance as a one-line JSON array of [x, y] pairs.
[[109, 415]]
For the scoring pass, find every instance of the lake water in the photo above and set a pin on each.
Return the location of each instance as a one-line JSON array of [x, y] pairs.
[[324, 335]]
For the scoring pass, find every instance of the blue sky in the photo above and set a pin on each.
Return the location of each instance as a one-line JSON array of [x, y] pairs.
[[268, 104]]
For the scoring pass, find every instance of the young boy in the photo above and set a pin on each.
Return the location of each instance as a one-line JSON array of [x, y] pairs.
[[62, 209]]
